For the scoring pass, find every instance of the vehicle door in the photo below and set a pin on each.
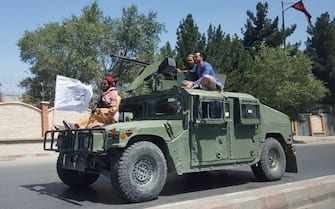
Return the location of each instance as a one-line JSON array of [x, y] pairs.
[[208, 132], [245, 133]]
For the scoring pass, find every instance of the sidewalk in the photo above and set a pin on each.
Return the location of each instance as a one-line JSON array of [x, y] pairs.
[[34, 148], [313, 139], [23, 150]]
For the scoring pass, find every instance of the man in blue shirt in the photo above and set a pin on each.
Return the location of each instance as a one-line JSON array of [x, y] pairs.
[[207, 78]]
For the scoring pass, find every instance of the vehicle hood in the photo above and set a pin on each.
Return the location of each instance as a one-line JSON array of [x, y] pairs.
[[162, 128]]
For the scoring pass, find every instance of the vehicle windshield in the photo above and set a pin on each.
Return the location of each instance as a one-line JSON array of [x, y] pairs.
[[166, 106]]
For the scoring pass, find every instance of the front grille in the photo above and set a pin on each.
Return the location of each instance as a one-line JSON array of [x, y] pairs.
[[80, 140], [76, 140]]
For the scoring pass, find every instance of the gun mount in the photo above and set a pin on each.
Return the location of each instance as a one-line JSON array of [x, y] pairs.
[[157, 76]]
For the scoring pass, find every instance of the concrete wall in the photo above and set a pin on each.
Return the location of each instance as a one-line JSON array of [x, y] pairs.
[[22, 121], [19, 121], [315, 125]]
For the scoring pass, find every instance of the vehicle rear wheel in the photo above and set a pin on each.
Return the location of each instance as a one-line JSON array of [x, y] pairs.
[[272, 163], [72, 178], [139, 174]]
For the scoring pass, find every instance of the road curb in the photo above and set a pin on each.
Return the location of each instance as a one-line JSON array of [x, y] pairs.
[[289, 195], [21, 156], [21, 141]]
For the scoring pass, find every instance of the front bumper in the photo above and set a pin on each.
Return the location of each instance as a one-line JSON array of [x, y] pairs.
[[76, 140]]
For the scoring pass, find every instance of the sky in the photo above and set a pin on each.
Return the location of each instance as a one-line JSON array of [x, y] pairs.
[[17, 17]]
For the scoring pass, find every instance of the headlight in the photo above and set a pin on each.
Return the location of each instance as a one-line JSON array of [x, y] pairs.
[[120, 134]]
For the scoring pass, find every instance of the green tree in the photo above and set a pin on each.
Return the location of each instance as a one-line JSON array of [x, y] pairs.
[[68, 49], [284, 82], [137, 34], [321, 47], [228, 56], [80, 47], [136, 38], [166, 51], [216, 45], [235, 62], [188, 39], [261, 30]]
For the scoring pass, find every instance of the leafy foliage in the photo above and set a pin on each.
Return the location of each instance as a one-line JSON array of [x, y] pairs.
[[261, 30], [68, 49], [284, 82], [188, 39], [80, 47], [166, 51], [228, 56], [136, 38], [321, 47]]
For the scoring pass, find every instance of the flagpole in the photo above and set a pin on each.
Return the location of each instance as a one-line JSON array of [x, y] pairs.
[[284, 34], [53, 117], [283, 17], [298, 6]]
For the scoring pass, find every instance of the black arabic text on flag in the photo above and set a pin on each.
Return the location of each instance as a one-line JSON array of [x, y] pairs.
[[301, 7]]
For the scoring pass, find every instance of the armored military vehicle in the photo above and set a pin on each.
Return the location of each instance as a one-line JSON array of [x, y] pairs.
[[166, 128]]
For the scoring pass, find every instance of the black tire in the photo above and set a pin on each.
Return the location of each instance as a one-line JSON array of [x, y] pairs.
[[272, 163], [139, 174], [72, 178]]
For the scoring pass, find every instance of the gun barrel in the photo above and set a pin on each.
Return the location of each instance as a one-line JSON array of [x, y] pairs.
[[131, 60]]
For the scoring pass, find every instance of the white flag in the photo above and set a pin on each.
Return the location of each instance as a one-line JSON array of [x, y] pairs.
[[71, 94]]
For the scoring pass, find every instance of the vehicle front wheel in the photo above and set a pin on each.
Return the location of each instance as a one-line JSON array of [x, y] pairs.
[[139, 174], [272, 163], [72, 178]]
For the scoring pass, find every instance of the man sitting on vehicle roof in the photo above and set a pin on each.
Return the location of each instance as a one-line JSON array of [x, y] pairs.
[[207, 78]]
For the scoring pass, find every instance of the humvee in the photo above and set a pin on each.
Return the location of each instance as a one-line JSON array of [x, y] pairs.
[[166, 128]]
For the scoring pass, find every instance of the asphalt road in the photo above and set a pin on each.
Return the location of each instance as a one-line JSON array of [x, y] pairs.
[[33, 183]]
